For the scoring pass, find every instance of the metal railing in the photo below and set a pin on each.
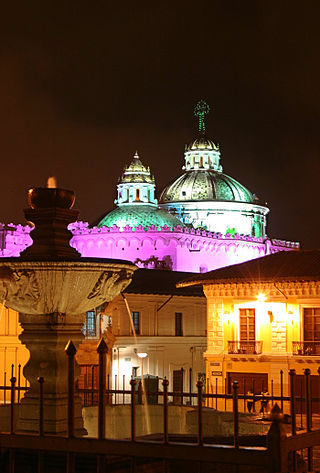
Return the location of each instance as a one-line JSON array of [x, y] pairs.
[[306, 348], [5, 388], [278, 454], [250, 347]]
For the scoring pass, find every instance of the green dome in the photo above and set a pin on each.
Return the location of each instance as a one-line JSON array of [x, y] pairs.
[[139, 214], [206, 185]]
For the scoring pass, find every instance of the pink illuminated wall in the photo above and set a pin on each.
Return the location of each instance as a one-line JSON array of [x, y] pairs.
[[180, 249], [14, 239]]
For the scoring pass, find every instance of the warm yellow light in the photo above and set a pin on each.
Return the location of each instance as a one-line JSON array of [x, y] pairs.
[[261, 297], [142, 355]]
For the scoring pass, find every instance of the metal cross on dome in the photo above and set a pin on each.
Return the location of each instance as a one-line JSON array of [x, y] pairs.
[[200, 110]]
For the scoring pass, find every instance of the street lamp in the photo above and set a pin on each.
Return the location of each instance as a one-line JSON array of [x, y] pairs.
[[142, 356]]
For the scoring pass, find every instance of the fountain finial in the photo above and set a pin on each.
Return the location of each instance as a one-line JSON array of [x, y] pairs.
[[52, 182], [51, 212]]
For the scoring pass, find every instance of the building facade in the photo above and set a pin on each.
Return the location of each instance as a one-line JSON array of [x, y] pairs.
[[166, 324], [263, 317]]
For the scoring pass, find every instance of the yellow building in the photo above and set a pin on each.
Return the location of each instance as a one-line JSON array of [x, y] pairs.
[[263, 316], [12, 352]]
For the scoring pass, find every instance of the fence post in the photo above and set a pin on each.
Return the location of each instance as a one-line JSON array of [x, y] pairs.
[[19, 379], [40, 381], [181, 386], [281, 389], [70, 350], [292, 374], [216, 393], [13, 382], [308, 399], [92, 385], [5, 385], [102, 349], [190, 385], [309, 415], [108, 389], [275, 444], [140, 394], [200, 433], [225, 394], [133, 383], [165, 384], [40, 453], [235, 415]]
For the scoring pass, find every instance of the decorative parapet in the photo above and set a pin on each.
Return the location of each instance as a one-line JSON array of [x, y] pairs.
[[14, 239], [82, 228], [249, 290]]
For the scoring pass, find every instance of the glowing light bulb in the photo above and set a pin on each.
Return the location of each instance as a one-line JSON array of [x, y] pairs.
[[142, 355], [261, 297]]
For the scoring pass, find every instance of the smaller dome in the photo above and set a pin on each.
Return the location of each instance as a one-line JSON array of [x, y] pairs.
[[139, 214], [136, 172], [202, 143]]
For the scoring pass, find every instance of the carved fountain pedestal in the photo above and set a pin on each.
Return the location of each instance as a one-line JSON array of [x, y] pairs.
[[52, 287]]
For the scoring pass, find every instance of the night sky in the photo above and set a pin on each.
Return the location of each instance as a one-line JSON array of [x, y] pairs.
[[86, 84]]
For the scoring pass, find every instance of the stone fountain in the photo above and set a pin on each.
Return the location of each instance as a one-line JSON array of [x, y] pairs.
[[52, 287]]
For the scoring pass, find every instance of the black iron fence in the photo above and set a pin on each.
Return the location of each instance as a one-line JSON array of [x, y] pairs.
[[253, 397], [278, 455], [20, 388]]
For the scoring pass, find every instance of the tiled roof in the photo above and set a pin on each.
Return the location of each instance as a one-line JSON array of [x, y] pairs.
[[285, 265], [153, 281]]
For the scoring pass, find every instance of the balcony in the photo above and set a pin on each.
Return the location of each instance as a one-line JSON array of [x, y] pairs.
[[248, 347], [306, 348]]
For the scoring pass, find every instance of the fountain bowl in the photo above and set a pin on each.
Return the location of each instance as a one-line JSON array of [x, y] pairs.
[[72, 287], [45, 197]]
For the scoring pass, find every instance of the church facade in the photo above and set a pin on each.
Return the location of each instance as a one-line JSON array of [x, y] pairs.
[[204, 220]]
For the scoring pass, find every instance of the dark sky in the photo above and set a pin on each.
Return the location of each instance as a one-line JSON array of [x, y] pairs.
[[85, 84]]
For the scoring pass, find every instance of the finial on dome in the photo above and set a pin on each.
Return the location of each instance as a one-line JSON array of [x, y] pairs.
[[200, 110], [136, 155]]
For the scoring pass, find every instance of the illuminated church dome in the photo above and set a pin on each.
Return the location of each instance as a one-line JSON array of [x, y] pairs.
[[207, 219], [135, 215], [136, 202], [208, 185], [206, 197]]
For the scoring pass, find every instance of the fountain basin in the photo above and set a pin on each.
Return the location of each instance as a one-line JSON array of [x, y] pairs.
[[72, 287]]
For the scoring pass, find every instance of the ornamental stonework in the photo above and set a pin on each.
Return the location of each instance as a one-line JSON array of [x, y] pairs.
[[276, 290]]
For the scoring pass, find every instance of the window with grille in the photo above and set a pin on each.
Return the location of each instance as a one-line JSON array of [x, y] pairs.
[[136, 322], [247, 325], [90, 325], [178, 324], [311, 324]]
